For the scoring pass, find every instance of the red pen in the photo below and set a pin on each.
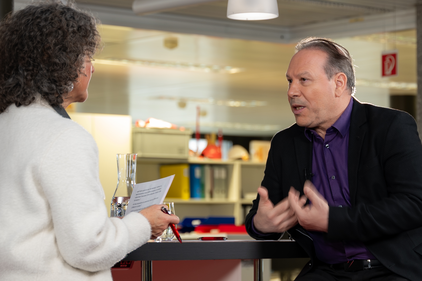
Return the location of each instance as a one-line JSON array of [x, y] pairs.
[[164, 210]]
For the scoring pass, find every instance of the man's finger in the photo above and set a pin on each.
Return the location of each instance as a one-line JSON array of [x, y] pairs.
[[293, 198], [263, 193], [302, 200], [312, 193], [294, 194], [282, 206]]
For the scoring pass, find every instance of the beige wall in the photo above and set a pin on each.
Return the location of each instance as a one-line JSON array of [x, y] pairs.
[[113, 134]]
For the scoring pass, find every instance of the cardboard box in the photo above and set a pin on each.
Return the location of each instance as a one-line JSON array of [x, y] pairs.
[[259, 150], [161, 143]]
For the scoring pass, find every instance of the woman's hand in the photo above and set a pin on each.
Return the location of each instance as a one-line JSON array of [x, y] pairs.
[[158, 220]]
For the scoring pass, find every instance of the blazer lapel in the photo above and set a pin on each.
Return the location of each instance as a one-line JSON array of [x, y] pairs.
[[303, 149], [357, 132]]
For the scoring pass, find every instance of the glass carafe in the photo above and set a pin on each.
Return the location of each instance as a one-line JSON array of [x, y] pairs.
[[126, 179]]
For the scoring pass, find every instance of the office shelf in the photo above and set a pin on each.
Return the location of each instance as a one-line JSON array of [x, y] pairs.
[[243, 178]]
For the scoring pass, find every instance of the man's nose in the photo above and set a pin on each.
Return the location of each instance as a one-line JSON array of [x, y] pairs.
[[293, 90]]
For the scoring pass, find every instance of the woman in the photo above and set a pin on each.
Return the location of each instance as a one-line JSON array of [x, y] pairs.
[[54, 224]]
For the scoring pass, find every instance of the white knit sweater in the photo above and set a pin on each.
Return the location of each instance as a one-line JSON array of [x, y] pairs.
[[53, 221]]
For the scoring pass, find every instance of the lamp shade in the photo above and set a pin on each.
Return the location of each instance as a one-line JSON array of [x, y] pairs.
[[252, 9]]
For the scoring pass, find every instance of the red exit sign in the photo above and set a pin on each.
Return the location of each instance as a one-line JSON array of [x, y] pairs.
[[389, 63]]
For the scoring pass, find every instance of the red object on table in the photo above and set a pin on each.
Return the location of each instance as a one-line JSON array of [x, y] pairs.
[[165, 211], [224, 228]]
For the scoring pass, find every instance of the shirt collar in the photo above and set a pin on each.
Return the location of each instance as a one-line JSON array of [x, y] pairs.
[[61, 111], [342, 124]]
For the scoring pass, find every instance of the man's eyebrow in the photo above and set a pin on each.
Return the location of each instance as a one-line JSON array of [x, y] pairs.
[[305, 73]]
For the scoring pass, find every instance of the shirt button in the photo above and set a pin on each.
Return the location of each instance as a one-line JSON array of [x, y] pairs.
[[333, 177], [340, 206], [327, 145]]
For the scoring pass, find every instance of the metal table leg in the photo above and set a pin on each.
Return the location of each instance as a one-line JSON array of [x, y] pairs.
[[146, 274], [258, 268]]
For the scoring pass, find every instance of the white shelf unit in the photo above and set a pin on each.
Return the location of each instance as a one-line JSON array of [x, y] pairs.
[[244, 177]]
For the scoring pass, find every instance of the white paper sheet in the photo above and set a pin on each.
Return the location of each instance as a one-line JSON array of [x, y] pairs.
[[149, 193]]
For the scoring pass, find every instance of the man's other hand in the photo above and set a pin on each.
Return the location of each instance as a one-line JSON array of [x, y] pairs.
[[273, 219], [313, 216]]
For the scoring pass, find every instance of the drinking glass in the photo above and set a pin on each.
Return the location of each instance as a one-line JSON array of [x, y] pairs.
[[168, 234]]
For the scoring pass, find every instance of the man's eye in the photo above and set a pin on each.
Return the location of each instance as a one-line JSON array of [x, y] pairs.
[[289, 81], [303, 79]]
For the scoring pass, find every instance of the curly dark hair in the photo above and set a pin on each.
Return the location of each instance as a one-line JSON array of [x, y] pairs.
[[42, 51]]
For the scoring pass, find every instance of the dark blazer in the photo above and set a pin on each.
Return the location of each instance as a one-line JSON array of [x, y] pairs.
[[385, 184]]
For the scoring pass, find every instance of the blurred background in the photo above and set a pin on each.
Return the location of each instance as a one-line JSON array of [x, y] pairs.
[[166, 63]]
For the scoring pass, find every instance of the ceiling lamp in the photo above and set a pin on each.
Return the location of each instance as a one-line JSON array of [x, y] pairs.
[[252, 9]]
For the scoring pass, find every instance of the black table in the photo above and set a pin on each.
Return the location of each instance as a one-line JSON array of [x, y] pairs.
[[215, 250]]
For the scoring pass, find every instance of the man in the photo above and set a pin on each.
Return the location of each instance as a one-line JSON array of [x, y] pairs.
[[345, 181]]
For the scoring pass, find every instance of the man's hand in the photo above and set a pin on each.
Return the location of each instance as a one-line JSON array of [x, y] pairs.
[[270, 218], [314, 216]]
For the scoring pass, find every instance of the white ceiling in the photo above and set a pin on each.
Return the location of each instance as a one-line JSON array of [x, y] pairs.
[[298, 18], [137, 74]]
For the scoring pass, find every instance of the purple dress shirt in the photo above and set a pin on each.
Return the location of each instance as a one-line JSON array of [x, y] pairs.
[[330, 177]]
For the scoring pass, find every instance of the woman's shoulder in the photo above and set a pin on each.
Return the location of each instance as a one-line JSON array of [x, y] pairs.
[[41, 121]]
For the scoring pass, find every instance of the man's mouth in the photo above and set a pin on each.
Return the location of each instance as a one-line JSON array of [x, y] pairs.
[[298, 107]]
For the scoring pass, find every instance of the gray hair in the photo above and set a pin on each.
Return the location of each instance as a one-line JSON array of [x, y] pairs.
[[339, 59]]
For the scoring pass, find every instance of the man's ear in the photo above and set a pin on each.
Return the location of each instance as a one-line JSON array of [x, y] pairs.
[[341, 83]]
